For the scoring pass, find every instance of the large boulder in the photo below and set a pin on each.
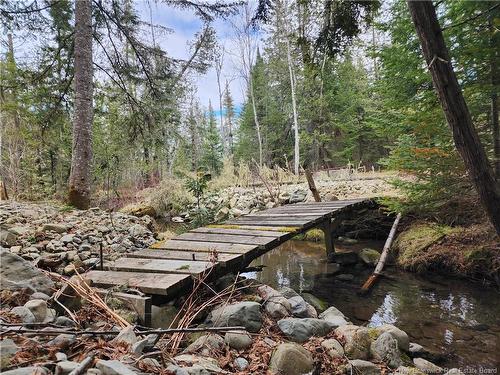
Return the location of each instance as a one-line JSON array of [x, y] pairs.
[[7, 237], [301, 309], [385, 348], [291, 359], [400, 335], [17, 273], [357, 341], [300, 330], [246, 314], [314, 301], [334, 316]]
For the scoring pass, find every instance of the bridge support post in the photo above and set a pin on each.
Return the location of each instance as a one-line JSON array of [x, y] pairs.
[[328, 229]]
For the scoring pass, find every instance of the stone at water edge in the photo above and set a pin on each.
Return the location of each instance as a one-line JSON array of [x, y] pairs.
[[314, 301], [300, 330], [246, 314], [400, 335], [369, 256], [334, 316], [426, 366], [301, 309], [360, 367], [385, 348], [37, 370], [291, 359], [276, 304], [238, 340], [17, 273], [345, 258]]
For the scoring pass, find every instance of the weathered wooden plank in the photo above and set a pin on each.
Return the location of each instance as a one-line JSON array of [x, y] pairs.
[[245, 232], [180, 255], [283, 229], [140, 304], [273, 223], [158, 265], [150, 283], [226, 238], [306, 215], [220, 247]]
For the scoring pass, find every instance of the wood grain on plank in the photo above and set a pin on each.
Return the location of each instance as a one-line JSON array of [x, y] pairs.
[[158, 265], [226, 238]]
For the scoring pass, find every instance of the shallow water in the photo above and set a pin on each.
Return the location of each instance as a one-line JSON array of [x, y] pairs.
[[450, 316]]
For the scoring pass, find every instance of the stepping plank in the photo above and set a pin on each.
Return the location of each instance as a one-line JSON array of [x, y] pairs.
[[150, 283], [180, 255], [226, 238], [205, 246], [244, 232], [273, 223], [284, 214], [158, 265], [282, 229]]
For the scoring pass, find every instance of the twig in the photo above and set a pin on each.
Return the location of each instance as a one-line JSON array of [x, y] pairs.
[[56, 332]]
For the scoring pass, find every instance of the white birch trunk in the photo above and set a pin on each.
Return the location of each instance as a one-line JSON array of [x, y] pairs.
[[81, 158], [296, 150]]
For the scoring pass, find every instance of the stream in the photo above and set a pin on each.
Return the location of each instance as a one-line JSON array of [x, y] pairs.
[[454, 317]]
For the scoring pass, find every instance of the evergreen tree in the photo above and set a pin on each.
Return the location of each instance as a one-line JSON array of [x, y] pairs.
[[212, 146], [229, 117]]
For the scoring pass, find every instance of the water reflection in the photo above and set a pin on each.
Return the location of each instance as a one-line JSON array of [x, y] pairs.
[[450, 316]]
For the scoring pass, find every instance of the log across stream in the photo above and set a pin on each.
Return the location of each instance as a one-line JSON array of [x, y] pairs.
[[447, 316]]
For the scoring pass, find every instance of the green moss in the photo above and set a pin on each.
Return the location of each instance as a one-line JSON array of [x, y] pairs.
[[184, 267], [417, 239], [374, 333], [477, 254]]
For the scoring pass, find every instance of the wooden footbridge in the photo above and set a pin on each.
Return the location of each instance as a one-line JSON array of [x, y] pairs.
[[169, 267]]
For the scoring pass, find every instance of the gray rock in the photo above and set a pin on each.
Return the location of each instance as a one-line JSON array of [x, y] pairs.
[[334, 316], [177, 370], [64, 321], [138, 347], [37, 370], [358, 366], [24, 313], [206, 344], [288, 292], [357, 341], [62, 341], [199, 365], [67, 238], [300, 308], [38, 307], [61, 356], [400, 335], [369, 256], [454, 371], [65, 367], [8, 349], [291, 359], [18, 230], [333, 348], [426, 366], [151, 362], [385, 348], [300, 330], [17, 273], [137, 230], [276, 304], [345, 277], [240, 363], [93, 371], [58, 228], [246, 314], [114, 367], [297, 196], [7, 238], [238, 340], [127, 336], [318, 304], [40, 295]]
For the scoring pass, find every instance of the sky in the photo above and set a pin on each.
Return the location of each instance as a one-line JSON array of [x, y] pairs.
[[184, 25]]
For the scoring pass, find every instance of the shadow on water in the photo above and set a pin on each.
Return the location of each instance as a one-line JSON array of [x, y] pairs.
[[450, 316]]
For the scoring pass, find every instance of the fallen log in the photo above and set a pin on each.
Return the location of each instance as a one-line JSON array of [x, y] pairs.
[[381, 262], [312, 185]]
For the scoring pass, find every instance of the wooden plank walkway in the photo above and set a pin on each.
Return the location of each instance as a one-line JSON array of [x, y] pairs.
[[169, 266]]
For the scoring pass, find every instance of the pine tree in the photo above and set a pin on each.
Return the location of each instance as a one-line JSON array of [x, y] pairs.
[[212, 147], [229, 117]]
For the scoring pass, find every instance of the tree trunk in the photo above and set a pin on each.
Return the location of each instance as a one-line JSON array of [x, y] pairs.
[[79, 180], [495, 81], [455, 109], [256, 120], [296, 151]]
